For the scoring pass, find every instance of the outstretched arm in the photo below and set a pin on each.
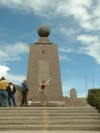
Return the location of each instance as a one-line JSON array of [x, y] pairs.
[[47, 81]]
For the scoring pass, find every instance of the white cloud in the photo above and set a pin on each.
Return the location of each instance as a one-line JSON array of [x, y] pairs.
[[96, 11], [12, 52], [65, 50], [87, 39], [93, 50], [3, 71], [90, 46], [16, 79], [63, 57], [37, 6], [78, 9], [70, 33], [85, 13]]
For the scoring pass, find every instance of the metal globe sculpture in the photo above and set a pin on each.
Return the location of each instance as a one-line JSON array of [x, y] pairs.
[[44, 31]]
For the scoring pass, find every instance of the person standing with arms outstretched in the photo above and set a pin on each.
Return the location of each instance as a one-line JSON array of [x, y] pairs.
[[41, 90]]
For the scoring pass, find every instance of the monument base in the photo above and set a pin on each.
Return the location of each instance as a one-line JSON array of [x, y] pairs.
[[49, 104]]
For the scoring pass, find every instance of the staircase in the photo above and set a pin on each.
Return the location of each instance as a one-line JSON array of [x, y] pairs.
[[49, 118]]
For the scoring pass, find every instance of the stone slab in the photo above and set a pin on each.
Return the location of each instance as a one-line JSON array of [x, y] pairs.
[[50, 131]]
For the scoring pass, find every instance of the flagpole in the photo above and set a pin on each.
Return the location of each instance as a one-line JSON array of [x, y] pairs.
[[86, 85], [93, 80]]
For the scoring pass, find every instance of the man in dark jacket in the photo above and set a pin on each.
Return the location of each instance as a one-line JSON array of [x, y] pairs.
[[11, 91], [24, 93]]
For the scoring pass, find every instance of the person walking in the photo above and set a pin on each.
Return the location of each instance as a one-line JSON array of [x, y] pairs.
[[41, 90], [3, 93], [24, 90], [11, 91]]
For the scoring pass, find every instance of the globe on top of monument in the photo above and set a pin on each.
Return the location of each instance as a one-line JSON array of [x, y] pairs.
[[44, 31]]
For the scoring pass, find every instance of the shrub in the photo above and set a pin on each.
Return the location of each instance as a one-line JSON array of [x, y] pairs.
[[94, 98]]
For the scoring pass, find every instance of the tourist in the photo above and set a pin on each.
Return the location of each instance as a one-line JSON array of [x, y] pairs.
[[41, 90], [11, 91], [29, 102], [24, 90], [3, 93]]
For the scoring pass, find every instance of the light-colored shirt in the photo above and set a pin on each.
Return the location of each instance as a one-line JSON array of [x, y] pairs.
[[11, 86], [29, 102]]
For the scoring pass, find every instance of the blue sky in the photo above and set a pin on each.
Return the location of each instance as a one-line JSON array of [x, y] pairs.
[[75, 28]]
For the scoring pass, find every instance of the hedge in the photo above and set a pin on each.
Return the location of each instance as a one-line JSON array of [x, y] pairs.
[[94, 98]]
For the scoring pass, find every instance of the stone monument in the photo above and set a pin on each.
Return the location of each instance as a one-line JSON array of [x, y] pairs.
[[73, 95], [43, 63]]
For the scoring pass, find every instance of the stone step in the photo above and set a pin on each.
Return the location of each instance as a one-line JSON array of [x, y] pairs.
[[48, 108], [21, 114], [22, 118], [21, 122], [57, 118], [21, 127], [54, 111], [49, 122], [72, 114], [69, 127], [74, 117], [48, 114], [50, 118], [76, 127], [86, 121], [47, 105]]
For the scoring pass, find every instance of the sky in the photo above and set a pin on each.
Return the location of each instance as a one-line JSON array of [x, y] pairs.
[[75, 28]]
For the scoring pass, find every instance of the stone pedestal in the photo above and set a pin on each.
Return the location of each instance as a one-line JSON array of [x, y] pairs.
[[74, 101], [73, 95]]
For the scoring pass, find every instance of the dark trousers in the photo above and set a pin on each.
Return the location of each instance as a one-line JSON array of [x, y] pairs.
[[24, 99], [11, 97]]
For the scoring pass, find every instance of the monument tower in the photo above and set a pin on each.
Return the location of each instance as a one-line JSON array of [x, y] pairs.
[[43, 63]]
